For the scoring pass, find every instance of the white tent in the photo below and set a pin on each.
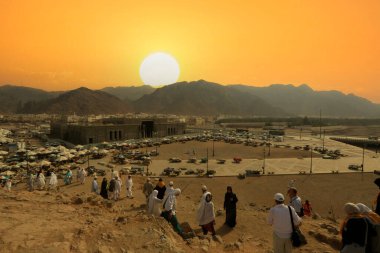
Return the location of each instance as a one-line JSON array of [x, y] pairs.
[[3, 153], [45, 163]]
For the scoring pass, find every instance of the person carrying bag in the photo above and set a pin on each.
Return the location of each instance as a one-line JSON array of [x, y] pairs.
[[297, 238]]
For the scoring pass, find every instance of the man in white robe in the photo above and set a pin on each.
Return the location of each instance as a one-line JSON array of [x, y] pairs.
[[207, 215], [41, 180], [129, 185], [202, 203], [82, 175], [154, 205], [53, 182], [94, 186], [117, 191]]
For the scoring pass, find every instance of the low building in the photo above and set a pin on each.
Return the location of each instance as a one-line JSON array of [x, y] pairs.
[[116, 129]]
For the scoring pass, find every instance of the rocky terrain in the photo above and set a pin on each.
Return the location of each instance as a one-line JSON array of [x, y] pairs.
[[74, 220]]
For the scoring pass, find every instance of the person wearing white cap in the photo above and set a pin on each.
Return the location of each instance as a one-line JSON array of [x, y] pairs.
[[279, 218], [202, 203]]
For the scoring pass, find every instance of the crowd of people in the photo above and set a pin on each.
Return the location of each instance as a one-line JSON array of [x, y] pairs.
[[360, 230]]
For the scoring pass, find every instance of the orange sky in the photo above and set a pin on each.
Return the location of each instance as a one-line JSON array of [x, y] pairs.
[[60, 45]]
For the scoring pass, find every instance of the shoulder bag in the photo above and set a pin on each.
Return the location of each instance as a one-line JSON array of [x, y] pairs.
[[297, 238]]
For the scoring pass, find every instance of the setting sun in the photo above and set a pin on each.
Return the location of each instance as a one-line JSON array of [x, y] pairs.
[[159, 69]]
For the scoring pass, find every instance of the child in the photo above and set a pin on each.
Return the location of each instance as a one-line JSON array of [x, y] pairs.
[[307, 208], [8, 184]]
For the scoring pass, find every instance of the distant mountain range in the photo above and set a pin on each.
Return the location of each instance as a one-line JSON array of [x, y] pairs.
[[200, 98]]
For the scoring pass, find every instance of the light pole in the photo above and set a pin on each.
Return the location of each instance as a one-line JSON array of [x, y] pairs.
[[320, 124], [363, 158], [264, 159], [213, 140], [311, 159], [323, 141], [207, 161], [269, 146]]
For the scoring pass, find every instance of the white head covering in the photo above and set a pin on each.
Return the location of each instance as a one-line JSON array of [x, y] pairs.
[[201, 206], [351, 208], [206, 211], [363, 208], [151, 202]]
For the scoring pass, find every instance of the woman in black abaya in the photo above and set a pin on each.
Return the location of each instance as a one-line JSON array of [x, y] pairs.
[[230, 201]]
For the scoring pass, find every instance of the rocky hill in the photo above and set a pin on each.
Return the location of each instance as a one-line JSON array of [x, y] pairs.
[[191, 98], [204, 98], [81, 101], [74, 220], [129, 93], [12, 98], [304, 101]]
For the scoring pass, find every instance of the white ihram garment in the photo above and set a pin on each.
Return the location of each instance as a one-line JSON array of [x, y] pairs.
[[129, 185], [154, 205]]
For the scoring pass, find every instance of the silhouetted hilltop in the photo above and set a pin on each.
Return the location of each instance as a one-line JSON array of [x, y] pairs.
[[82, 101], [191, 98], [204, 98], [130, 93], [304, 101]]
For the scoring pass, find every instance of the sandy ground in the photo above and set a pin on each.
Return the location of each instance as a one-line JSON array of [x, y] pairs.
[[49, 222], [41, 222]]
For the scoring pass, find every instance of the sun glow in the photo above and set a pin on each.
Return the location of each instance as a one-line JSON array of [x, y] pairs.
[[159, 69]]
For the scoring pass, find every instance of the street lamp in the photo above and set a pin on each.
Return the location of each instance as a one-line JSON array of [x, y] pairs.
[[207, 161], [264, 159], [311, 159], [323, 141], [363, 158], [213, 140]]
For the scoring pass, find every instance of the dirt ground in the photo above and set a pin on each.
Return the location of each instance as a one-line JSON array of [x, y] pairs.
[[49, 222]]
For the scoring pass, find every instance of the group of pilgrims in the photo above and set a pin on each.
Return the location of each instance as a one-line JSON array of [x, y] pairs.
[[38, 181], [357, 228], [162, 201], [111, 190]]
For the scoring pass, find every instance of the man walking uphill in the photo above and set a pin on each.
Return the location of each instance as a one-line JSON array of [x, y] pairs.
[[279, 218]]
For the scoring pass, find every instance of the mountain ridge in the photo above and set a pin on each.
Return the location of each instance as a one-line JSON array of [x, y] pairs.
[[200, 98]]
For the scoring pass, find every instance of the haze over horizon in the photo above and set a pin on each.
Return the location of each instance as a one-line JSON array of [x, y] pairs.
[[65, 45]]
